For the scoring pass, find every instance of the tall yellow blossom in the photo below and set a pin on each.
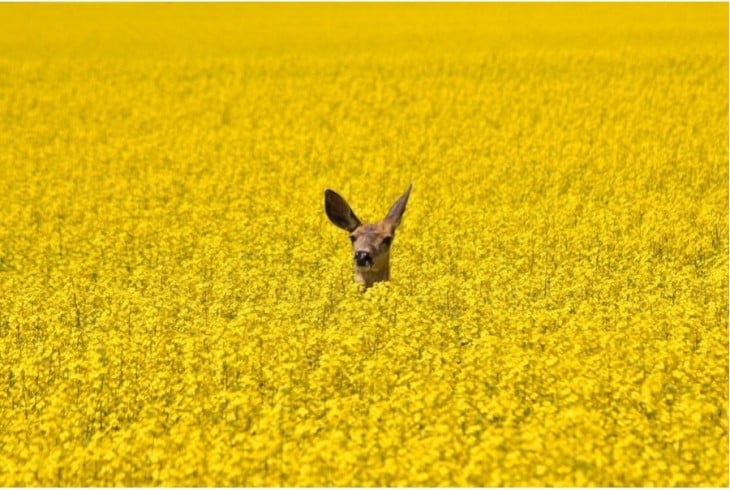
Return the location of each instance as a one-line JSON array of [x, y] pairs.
[[176, 309]]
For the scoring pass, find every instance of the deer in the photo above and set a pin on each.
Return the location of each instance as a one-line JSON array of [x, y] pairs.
[[370, 241]]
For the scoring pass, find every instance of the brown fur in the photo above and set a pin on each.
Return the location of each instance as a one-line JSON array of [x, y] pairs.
[[372, 238]]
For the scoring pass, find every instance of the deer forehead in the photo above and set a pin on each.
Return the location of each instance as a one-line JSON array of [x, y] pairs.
[[373, 230]]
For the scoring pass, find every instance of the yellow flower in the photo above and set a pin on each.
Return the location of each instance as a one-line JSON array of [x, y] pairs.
[[177, 310]]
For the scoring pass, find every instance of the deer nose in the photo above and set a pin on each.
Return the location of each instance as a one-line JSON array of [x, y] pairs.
[[363, 258]]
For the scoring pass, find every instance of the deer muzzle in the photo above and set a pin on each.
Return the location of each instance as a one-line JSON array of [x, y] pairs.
[[363, 259]]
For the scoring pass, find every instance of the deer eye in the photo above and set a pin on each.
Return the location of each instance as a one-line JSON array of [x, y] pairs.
[[387, 240], [353, 238]]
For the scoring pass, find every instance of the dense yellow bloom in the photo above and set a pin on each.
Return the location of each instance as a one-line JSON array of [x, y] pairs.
[[176, 309]]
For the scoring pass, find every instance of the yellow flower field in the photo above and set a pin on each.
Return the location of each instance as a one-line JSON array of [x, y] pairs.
[[176, 308]]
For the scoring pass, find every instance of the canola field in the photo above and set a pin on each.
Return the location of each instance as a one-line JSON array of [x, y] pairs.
[[176, 308]]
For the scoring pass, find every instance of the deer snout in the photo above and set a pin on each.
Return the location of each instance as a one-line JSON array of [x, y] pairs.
[[363, 259]]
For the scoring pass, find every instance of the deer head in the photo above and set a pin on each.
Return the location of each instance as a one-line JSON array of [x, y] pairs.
[[370, 241]]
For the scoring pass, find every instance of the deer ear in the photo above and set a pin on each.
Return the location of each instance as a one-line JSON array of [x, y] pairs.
[[396, 211], [339, 212]]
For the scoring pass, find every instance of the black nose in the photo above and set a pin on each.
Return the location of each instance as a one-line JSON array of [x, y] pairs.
[[363, 258]]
